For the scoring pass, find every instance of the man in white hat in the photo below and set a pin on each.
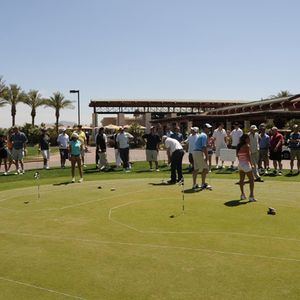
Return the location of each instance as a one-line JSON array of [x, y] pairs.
[[254, 151], [190, 142], [63, 145], [220, 140], [200, 157]]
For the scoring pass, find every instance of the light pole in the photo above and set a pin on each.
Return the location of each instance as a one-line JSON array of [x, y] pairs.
[[78, 94]]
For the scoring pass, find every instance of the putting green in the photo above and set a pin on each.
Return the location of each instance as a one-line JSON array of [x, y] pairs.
[[84, 242]]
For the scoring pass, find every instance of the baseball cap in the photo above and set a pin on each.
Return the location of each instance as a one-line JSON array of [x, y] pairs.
[[164, 138], [253, 127], [207, 125], [75, 135], [196, 129]]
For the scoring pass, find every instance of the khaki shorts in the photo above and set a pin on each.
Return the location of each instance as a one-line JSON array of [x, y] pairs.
[[151, 155], [255, 157], [295, 153], [263, 154], [17, 154], [218, 150], [199, 163]]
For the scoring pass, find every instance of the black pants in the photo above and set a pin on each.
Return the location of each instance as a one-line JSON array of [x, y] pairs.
[[124, 154], [176, 165]]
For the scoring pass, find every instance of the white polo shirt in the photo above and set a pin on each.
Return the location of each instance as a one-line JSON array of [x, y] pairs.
[[63, 141], [254, 142], [172, 145], [235, 136], [220, 136]]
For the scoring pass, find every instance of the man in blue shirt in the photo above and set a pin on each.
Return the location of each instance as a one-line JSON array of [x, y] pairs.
[[200, 157], [19, 141], [294, 144], [177, 135]]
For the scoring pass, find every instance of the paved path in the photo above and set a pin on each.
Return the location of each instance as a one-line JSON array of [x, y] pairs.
[[135, 155]]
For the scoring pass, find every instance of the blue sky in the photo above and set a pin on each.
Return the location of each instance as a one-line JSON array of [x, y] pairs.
[[234, 49]]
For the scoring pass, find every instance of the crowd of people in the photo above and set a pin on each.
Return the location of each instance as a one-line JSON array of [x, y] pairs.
[[254, 151]]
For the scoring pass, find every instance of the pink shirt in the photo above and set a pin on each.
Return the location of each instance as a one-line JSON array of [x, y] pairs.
[[243, 155]]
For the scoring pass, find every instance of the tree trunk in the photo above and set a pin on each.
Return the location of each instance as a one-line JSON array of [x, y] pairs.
[[13, 114], [33, 114], [57, 118]]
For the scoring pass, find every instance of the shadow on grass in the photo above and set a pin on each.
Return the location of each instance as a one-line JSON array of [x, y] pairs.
[[233, 203], [63, 183], [162, 183], [291, 174], [191, 191]]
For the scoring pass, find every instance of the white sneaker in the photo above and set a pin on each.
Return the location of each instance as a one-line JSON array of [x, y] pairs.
[[243, 197], [157, 170], [80, 180], [5, 173], [252, 199], [47, 167], [73, 179], [196, 186]]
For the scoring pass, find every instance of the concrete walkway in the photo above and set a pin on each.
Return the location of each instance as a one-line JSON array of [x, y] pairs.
[[135, 155]]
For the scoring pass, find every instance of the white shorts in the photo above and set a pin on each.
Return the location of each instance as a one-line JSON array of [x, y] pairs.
[[45, 154], [199, 162], [245, 167]]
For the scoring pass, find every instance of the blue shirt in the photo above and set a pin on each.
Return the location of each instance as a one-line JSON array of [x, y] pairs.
[[177, 136], [294, 136], [75, 147], [264, 142], [201, 142], [19, 140]]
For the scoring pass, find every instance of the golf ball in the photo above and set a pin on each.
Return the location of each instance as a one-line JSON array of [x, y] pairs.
[[112, 189]]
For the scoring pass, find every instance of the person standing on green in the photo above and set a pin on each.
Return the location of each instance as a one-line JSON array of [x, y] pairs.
[[75, 149]]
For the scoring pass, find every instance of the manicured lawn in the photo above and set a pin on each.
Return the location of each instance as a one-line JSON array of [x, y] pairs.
[[33, 153], [79, 241]]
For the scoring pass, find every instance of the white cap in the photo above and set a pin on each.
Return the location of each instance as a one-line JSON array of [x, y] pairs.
[[74, 135], [253, 127], [164, 138], [196, 129], [207, 125]]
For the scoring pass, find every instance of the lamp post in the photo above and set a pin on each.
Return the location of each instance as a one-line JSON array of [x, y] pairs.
[[78, 94]]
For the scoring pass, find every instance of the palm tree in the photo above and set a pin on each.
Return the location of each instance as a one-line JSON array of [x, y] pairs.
[[282, 94], [3, 89], [33, 99], [58, 102], [14, 94]]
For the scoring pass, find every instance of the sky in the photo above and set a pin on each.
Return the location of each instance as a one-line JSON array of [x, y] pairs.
[[148, 49]]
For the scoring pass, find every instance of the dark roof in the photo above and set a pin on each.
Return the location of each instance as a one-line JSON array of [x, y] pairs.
[[292, 103]]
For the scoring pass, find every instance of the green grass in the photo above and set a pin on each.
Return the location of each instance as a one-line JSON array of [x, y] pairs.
[[33, 154], [93, 243]]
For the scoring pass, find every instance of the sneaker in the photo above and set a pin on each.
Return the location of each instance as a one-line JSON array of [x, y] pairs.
[[47, 167], [258, 179], [195, 187], [151, 170], [266, 172], [84, 165], [252, 199], [80, 180], [279, 173], [157, 170], [291, 172], [217, 167], [171, 182], [5, 173], [73, 179], [127, 170], [243, 197], [275, 172], [206, 186]]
